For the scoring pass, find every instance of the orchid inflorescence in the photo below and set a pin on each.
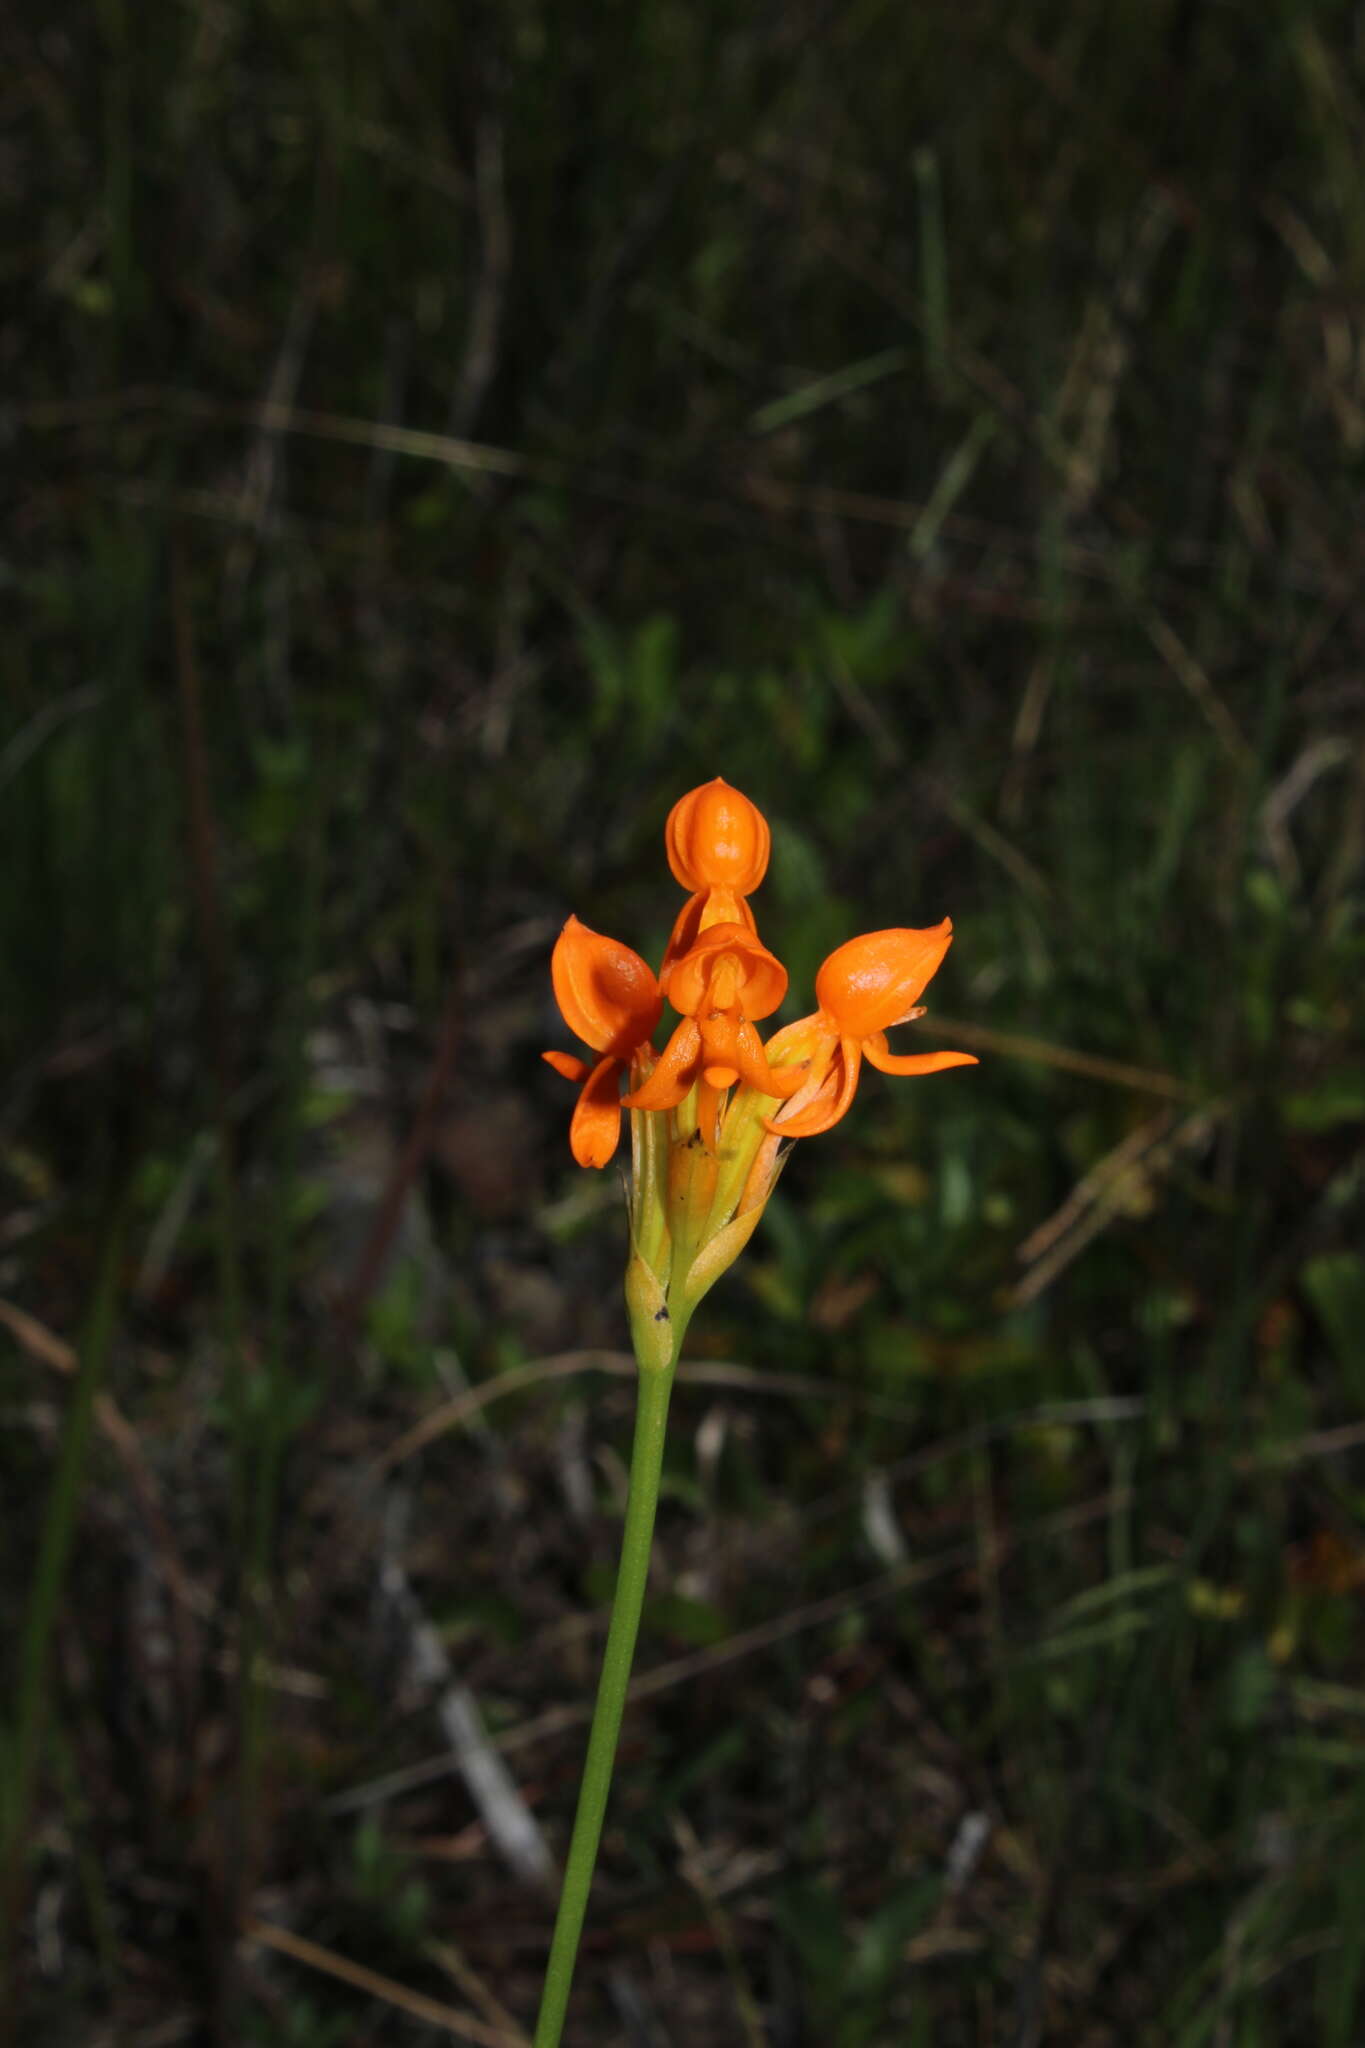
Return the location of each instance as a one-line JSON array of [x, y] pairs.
[[712, 1114]]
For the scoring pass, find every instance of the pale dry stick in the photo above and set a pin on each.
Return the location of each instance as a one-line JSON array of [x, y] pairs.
[[1194, 1131], [718, 1920], [415, 2003], [1093, 1184], [1332, 750], [35, 1338], [447, 449], [461, 1972], [1320, 1443], [512, 1827]]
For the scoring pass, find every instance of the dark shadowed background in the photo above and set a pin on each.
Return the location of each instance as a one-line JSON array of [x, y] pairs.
[[435, 437]]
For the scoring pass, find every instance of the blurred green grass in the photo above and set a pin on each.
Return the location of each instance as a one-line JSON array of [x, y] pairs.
[[433, 443]]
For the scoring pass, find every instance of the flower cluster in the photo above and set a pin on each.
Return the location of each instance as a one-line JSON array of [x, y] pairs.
[[712, 1112]]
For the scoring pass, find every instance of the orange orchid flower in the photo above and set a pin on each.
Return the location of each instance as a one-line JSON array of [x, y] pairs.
[[717, 844], [727, 979], [609, 998], [865, 985]]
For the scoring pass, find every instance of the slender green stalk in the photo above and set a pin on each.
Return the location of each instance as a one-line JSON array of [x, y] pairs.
[[646, 1462]]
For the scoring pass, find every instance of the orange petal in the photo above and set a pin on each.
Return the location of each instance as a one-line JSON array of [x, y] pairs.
[[717, 839], [596, 1126], [706, 907], [568, 1064], [890, 1062], [732, 1043], [675, 1073], [607, 993], [759, 976], [875, 980], [831, 1100]]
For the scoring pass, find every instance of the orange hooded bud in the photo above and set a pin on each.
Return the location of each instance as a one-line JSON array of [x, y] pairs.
[[874, 981], [717, 839], [717, 844]]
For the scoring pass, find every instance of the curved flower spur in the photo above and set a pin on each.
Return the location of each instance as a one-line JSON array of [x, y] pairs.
[[712, 1116]]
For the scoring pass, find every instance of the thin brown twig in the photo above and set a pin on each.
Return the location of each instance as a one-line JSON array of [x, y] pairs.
[[1108, 1200], [462, 1973], [35, 1338], [1041, 1052], [622, 1365], [415, 2003], [1092, 1185], [1192, 677], [50, 1349], [485, 458]]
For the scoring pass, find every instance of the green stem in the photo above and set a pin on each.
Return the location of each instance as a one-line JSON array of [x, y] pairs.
[[646, 1462]]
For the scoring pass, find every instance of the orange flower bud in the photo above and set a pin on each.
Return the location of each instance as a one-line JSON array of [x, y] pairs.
[[717, 839], [874, 981]]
